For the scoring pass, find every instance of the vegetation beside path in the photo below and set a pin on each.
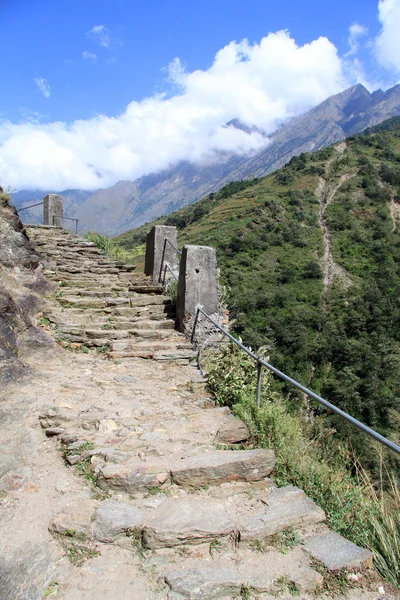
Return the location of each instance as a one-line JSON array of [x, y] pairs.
[[311, 456]]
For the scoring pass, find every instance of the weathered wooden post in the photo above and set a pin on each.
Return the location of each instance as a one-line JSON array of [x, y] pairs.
[[161, 242], [53, 210]]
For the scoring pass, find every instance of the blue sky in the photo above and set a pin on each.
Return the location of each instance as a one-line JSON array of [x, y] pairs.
[[97, 91]]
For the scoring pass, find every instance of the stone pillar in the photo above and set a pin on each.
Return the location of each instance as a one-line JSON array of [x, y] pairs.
[[198, 286], [159, 253], [53, 210]]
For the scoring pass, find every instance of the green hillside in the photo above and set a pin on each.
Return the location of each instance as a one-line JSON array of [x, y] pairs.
[[311, 258]]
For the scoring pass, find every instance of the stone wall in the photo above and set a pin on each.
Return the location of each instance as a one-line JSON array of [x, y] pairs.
[[21, 282]]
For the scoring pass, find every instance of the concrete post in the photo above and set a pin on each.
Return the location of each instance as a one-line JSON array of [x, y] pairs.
[[53, 210], [159, 253], [198, 286]]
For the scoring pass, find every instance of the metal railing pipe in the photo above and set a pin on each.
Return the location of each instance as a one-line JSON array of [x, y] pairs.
[[68, 219], [166, 266], [31, 206], [162, 269], [173, 246], [374, 434]]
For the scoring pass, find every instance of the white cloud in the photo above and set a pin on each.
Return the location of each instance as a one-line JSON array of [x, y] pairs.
[[101, 35], [388, 41], [262, 84], [89, 56], [43, 86], [356, 31]]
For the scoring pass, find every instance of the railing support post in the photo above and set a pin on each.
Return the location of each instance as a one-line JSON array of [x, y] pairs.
[[159, 252], [53, 210], [259, 379], [198, 286]]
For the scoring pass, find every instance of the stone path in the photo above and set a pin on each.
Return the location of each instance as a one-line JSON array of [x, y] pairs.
[[116, 482], [103, 303]]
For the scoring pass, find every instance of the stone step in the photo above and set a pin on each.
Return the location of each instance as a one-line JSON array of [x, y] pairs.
[[146, 288], [181, 521], [170, 523], [190, 473], [144, 335], [115, 335], [145, 309], [180, 343], [157, 322], [135, 301], [107, 320], [72, 252], [335, 552], [85, 303], [100, 283], [84, 340], [176, 355], [103, 293], [284, 508], [108, 314], [135, 324], [108, 334], [273, 574], [222, 466]]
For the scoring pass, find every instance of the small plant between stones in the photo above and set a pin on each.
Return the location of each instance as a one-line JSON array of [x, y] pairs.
[[215, 547], [84, 467], [284, 585], [136, 535], [77, 546], [336, 583], [52, 588], [285, 540], [247, 592]]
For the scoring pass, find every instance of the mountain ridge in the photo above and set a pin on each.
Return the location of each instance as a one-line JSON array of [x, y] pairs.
[[128, 204]]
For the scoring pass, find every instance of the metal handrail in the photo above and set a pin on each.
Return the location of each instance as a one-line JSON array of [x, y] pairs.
[[166, 266], [27, 207], [69, 219], [262, 363], [167, 241]]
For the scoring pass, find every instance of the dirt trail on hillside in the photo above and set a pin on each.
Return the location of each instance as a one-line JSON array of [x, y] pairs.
[[326, 192], [394, 206]]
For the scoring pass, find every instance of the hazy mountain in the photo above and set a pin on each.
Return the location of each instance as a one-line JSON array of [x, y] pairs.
[[129, 204]]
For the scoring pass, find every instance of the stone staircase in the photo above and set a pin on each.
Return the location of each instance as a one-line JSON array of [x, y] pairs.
[[102, 303], [174, 479]]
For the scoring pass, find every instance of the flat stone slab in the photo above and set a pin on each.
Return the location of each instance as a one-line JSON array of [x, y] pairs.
[[132, 477], [223, 466], [189, 521], [335, 552], [114, 519], [74, 519], [205, 582], [232, 431], [223, 579], [284, 507]]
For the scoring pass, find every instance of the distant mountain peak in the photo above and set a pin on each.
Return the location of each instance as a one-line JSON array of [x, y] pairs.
[[238, 124]]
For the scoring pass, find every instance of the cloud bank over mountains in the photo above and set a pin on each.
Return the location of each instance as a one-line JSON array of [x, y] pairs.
[[262, 84]]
